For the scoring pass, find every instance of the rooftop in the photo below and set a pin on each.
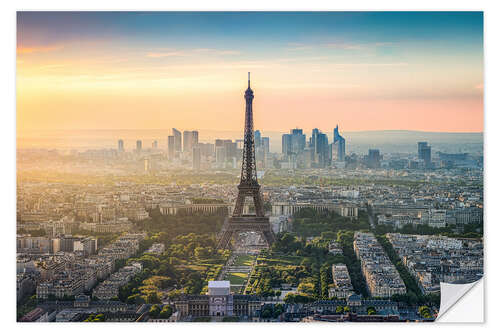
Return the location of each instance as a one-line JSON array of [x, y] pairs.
[[219, 284]]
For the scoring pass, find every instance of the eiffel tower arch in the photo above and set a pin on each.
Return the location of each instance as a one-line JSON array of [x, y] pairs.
[[248, 187]]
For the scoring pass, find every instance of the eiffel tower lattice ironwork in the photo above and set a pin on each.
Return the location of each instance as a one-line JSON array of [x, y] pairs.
[[248, 187]]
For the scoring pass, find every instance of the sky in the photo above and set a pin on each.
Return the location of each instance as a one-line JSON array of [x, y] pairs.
[[151, 70]]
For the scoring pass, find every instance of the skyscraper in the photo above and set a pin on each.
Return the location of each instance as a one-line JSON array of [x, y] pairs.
[[312, 140], [190, 140], [338, 146], [138, 146], [319, 148], [230, 148], [265, 144], [194, 135], [196, 157], [177, 140], [322, 150], [155, 144], [187, 141], [298, 140], [286, 144], [374, 158], [424, 153], [171, 147], [120, 146], [220, 156], [257, 136]]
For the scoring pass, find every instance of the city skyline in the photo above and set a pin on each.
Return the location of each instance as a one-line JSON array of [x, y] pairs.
[[136, 70]]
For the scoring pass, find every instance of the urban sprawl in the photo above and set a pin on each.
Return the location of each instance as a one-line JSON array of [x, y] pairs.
[[131, 235]]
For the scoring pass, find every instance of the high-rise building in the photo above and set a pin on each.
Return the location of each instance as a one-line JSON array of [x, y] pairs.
[[220, 155], [257, 136], [312, 140], [298, 141], [265, 144], [322, 151], [171, 147], [207, 149], [338, 146], [190, 140], [374, 158], [424, 153], [120, 146], [177, 140], [286, 144], [187, 145], [138, 146], [194, 135], [230, 147], [319, 148], [155, 144], [196, 157]]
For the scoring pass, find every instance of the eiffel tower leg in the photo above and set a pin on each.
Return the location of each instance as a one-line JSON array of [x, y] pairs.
[[238, 208], [269, 237], [257, 201], [225, 241]]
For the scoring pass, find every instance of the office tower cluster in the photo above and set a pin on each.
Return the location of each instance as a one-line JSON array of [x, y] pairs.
[[298, 151], [316, 153], [223, 153]]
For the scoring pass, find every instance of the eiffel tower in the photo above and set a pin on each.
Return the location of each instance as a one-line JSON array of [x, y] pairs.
[[249, 187]]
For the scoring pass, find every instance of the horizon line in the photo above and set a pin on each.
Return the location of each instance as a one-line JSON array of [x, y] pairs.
[[236, 130]]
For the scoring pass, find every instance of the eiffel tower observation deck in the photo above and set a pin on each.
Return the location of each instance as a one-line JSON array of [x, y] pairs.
[[248, 187]]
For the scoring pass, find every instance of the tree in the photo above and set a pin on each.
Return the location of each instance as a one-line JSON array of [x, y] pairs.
[[425, 312], [166, 312], [154, 311], [339, 309], [371, 311], [202, 252], [329, 235], [292, 298], [95, 318], [278, 310]]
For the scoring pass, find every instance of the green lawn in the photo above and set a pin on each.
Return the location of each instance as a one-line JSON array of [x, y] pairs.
[[282, 260], [237, 278], [244, 260]]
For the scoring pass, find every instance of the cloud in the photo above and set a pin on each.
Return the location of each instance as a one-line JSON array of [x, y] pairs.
[[298, 47], [217, 52], [187, 53], [390, 64], [337, 45], [165, 54], [346, 46], [37, 49]]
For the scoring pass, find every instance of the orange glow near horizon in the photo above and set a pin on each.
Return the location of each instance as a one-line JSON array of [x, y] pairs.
[[102, 84]]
